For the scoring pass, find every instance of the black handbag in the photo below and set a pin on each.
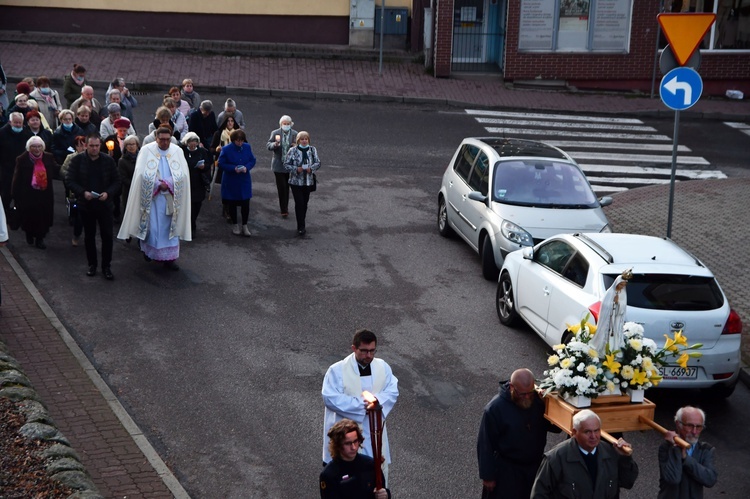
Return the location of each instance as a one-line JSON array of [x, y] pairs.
[[314, 186], [14, 220]]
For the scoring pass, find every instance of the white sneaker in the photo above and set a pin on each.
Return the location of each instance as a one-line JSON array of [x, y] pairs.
[[236, 229], [246, 230]]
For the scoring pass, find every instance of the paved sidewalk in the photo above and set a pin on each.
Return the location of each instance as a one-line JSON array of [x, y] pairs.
[[115, 452], [324, 73]]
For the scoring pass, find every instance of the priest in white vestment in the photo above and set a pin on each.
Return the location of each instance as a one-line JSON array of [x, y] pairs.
[[158, 210], [343, 385]]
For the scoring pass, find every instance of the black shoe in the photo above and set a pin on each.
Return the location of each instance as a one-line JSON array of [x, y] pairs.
[[171, 265], [91, 272], [145, 257], [40, 243], [30, 239], [107, 273], [301, 232]]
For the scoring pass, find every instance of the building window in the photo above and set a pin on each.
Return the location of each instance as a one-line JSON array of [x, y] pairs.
[[575, 26], [732, 27]]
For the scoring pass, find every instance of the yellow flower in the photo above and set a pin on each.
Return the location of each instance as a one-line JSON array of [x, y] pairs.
[[566, 363], [553, 359], [647, 364], [593, 354], [574, 328], [558, 347], [683, 360], [610, 386], [592, 328], [612, 364], [680, 339], [591, 370], [655, 380], [670, 345], [627, 372], [639, 377], [636, 344]]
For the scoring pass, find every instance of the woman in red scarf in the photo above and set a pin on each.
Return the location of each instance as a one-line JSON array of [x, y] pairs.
[[32, 191]]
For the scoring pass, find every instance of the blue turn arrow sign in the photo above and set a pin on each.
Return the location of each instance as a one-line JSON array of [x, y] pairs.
[[681, 88]]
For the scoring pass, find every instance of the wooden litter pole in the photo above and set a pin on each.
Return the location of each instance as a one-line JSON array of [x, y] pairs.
[[679, 441], [628, 450]]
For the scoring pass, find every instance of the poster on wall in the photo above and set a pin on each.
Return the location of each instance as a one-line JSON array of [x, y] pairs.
[[611, 25], [537, 25]]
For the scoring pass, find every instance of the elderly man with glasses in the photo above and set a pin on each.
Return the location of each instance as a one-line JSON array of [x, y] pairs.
[[343, 385], [512, 437], [684, 472]]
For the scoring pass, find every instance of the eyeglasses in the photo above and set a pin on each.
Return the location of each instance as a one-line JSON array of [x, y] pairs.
[[366, 351], [692, 427]]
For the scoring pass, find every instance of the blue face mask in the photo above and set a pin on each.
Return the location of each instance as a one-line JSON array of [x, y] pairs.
[[17, 129], [45, 90], [304, 147], [68, 126], [286, 128]]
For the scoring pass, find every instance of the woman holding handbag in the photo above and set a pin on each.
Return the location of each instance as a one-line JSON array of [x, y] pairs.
[[302, 162]]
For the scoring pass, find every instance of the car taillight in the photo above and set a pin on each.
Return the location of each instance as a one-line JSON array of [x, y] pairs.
[[734, 324], [594, 310]]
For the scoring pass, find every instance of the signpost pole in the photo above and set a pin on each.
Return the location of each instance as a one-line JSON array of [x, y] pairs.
[[674, 172], [382, 29]]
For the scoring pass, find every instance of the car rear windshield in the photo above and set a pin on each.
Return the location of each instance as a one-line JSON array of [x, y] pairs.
[[671, 292], [542, 183]]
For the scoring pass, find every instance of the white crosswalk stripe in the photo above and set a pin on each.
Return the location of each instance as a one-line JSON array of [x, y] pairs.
[[616, 154], [742, 127]]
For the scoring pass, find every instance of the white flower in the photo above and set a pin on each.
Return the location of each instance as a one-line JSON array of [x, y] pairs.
[[627, 372], [636, 344], [610, 386], [553, 360], [581, 366], [566, 362]]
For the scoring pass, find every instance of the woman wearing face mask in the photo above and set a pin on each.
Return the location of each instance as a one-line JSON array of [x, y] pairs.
[[279, 143], [72, 84], [199, 163], [34, 120], [48, 100], [220, 139], [302, 162], [32, 191], [63, 139]]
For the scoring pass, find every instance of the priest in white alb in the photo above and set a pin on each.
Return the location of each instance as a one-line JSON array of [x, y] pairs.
[[343, 385]]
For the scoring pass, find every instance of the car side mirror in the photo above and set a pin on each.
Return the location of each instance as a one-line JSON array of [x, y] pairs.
[[478, 196], [528, 253], [605, 201]]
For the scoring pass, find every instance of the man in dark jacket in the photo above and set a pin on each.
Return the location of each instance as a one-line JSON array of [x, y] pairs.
[[512, 436], [94, 180], [202, 121], [684, 472], [13, 137]]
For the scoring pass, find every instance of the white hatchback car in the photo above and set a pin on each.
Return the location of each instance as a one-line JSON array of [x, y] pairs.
[[502, 194], [560, 280]]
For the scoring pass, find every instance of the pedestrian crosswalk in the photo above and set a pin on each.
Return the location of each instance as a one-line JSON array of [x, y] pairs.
[[616, 154], [742, 127]]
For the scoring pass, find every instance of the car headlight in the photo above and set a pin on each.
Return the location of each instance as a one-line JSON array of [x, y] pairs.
[[606, 229], [516, 234]]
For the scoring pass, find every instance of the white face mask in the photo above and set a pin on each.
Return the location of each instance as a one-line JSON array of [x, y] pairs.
[[286, 128]]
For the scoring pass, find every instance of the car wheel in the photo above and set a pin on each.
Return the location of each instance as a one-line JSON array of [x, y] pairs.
[[443, 227], [506, 310], [566, 337], [489, 268], [721, 391]]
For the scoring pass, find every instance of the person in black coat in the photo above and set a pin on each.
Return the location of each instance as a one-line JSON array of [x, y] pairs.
[[13, 137], [202, 121], [199, 162], [512, 437], [349, 474], [32, 191], [92, 176]]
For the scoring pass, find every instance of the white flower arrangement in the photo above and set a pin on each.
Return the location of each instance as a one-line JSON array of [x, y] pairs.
[[575, 368]]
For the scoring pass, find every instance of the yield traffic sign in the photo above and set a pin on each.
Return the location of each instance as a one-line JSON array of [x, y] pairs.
[[684, 32], [681, 88]]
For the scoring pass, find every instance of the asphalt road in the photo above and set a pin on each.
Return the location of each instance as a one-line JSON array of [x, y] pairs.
[[221, 363]]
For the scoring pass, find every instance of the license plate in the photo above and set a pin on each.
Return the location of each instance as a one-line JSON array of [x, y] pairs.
[[677, 372]]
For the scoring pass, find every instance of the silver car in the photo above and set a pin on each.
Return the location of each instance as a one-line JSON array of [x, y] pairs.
[[559, 281], [500, 195]]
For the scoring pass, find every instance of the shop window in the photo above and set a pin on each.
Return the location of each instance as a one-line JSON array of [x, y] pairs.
[[575, 25], [731, 30]]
